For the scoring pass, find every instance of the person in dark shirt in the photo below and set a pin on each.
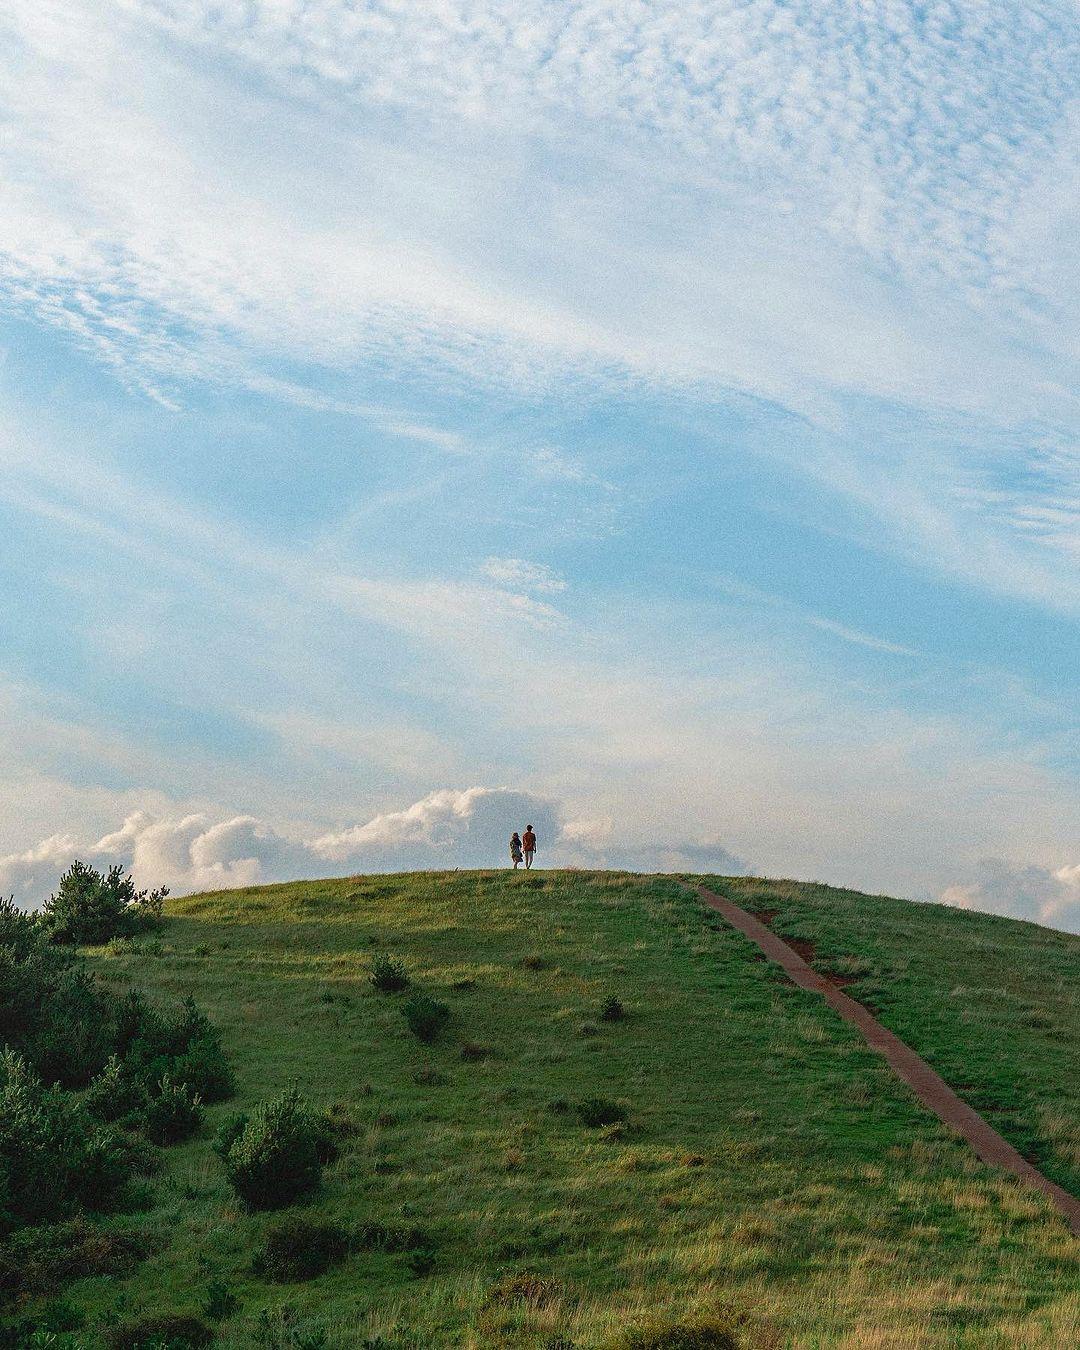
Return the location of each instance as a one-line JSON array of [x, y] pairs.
[[515, 850], [528, 843]]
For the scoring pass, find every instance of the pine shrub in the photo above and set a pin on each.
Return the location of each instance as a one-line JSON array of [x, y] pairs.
[[425, 1016], [55, 1157], [388, 975], [89, 907], [173, 1113], [116, 1095], [274, 1158]]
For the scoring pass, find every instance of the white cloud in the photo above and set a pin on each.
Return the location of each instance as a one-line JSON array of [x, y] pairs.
[[449, 828], [527, 576], [801, 202], [1030, 892], [858, 638]]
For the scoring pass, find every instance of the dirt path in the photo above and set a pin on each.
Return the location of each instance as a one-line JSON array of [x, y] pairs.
[[930, 1088]]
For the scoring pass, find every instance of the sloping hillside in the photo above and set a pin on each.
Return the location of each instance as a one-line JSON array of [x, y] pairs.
[[770, 1174]]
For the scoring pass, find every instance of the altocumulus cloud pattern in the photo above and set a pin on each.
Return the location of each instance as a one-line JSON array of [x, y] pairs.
[[769, 304]]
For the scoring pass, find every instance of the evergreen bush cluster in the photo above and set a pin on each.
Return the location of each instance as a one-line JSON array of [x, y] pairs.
[[89, 1079], [91, 907]]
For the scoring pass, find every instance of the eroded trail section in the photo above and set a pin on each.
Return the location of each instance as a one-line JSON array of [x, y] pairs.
[[930, 1088]]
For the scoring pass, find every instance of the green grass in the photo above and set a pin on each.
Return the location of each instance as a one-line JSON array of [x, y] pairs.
[[991, 1003], [771, 1171]]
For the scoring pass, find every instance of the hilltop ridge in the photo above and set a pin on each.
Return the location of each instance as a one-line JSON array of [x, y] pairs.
[[762, 1169]]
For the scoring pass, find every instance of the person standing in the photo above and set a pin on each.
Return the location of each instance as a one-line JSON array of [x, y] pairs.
[[515, 850], [529, 844]]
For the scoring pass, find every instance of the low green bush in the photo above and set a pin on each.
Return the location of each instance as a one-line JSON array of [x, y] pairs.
[[274, 1158], [614, 1010], [597, 1111], [171, 1331], [425, 1016], [55, 1157], [383, 1237], [173, 1113], [534, 1291], [116, 1095], [230, 1129], [219, 1301], [36, 1261], [388, 975], [286, 1328], [296, 1249]]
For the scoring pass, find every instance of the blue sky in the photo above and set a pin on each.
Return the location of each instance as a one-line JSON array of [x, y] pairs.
[[659, 419]]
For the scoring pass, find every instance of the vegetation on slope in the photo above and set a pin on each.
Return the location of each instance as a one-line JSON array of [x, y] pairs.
[[993, 1004], [760, 1173]]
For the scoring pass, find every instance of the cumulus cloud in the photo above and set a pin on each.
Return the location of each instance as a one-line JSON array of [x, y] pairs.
[[595, 843], [1021, 892], [449, 828]]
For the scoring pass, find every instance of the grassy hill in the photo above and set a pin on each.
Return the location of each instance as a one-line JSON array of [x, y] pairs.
[[771, 1173]]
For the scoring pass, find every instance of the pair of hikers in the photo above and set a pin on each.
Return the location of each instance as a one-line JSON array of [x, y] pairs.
[[523, 846]]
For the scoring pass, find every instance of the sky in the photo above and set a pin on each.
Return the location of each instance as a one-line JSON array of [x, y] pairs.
[[655, 422]]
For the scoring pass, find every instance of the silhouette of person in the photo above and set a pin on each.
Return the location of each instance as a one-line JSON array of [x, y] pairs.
[[515, 850], [528, 842]]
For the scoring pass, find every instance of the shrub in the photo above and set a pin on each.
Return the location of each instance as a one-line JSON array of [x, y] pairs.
[[174, 1113], [274, 1159], [473, 1051], [429, 1076], [204, 1069], [219, 1301], [296, 1249], [55, 1157], [65, 1031], [230, 1129], [284, 1329], [91, 908], [703, 1334], [382, 1237], [115, 1095], [172, 1331], [597, 1111], [37, 1260], [614, 1010], [425, 1016], [389, 976]]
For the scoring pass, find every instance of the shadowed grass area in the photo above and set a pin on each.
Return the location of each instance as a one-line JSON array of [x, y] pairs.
[[770, 1174]]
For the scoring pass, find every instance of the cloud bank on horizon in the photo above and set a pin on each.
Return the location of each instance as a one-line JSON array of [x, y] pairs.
[[448, 829], [667, 409]]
